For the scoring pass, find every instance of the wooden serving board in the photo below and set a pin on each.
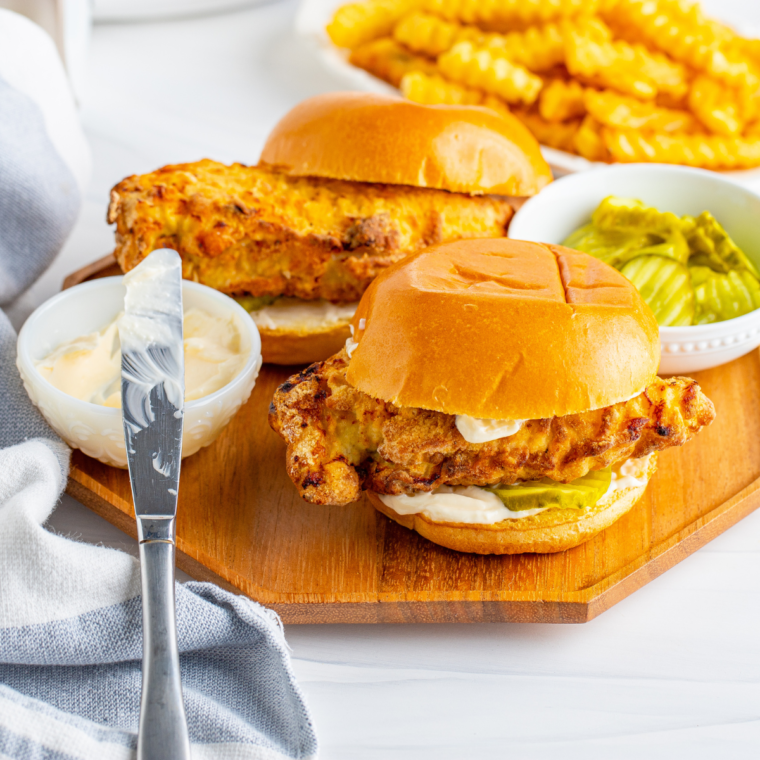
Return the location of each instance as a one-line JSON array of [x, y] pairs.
[[242, 524]]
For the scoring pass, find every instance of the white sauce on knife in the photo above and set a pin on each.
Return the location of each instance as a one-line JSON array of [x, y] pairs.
[[476, 430], [141, 328], [290, 313]]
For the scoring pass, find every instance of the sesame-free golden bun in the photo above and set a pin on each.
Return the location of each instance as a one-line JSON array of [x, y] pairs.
[[503, 329], [305, 344], [554, 530], [379, 138]]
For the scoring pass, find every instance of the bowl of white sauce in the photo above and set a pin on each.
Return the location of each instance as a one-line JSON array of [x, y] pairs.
[[69, 359]]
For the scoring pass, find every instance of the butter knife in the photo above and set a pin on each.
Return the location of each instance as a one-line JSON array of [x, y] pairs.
[[152, 399]]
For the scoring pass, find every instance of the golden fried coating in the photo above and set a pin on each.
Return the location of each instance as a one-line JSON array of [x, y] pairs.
[[341, 441], [243, 229]]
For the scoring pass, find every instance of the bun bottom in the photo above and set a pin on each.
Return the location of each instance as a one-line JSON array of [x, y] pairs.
[[547, 532], [302, 346]]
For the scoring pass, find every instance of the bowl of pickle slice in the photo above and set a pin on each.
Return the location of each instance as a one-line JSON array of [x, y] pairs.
[[689, 240]]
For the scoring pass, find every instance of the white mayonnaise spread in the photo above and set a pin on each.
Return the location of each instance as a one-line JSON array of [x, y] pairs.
[[89, 367], [631, 474], [471, 504], [475, 430], [458, 504], [351, 344], [291, 313]]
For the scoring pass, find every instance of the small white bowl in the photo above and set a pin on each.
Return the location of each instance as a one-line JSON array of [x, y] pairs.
[[97, 430], [568, 203]]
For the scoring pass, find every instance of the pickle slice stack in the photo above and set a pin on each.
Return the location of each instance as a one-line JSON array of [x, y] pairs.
[[688, 270], [540, 494], [666, 287]]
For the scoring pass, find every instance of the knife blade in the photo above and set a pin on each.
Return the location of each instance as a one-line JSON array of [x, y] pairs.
[[152, 394]]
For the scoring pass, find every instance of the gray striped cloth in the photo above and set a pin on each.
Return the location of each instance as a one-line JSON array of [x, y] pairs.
[[70, 614]]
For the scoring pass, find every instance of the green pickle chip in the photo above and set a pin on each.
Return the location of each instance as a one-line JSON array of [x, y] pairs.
[[622, 229], [666, 287], [723, 296], [711, 246], [538, 494], [255, 303]]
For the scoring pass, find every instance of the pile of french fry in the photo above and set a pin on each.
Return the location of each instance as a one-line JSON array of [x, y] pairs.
[[610, 80]]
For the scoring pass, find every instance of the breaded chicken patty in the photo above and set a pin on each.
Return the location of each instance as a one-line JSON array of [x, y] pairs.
[[342, 441], [252, 230]]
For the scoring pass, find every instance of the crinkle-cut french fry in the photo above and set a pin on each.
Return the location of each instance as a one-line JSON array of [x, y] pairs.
[[554, 134], [495, 104], [610, 65], [357, 23], [538, 48], [503, 15], [561, 100], [614, 110], [670, 77], [430, 35], [387, 60], [433, 89], [706, 151], [681, 29], [588, 141], [489, 70], [716, 106]]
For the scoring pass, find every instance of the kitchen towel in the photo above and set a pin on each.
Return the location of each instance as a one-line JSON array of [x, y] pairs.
[[70, 613]]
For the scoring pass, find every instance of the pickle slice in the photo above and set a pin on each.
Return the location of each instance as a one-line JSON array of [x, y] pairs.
[[539, 494], [712, 246], [628, 214], [666, 287], [622, 229], [723, 296], [255, 303]]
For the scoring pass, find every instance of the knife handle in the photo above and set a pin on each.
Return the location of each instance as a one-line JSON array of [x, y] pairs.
[[163, 726]]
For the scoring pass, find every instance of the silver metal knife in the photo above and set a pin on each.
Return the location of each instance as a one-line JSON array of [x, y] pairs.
[[152, 399]]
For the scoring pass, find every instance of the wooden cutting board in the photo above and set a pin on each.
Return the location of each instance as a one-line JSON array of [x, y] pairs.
[[242, 524]]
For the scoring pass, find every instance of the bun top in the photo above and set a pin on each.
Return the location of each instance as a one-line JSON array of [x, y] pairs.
[[378, 138], [503, 329]]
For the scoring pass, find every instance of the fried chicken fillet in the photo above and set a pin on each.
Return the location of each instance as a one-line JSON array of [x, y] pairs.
[[341, 441], [252, 230]]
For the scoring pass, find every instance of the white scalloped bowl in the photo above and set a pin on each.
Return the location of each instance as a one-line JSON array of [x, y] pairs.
[[568, 203], [97, 430]]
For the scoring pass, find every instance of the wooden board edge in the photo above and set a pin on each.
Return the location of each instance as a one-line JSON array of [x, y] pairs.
[[75, 278], [676, 549], [430, 612]]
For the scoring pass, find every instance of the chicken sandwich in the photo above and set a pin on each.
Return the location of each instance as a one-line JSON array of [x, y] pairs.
[[497, 397], [347, 184]]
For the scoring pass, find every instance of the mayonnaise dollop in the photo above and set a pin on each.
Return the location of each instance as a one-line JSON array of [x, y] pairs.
[[631, 474], [472, 504], [475, 430], [289, 313], [457, 504], [89, 367]]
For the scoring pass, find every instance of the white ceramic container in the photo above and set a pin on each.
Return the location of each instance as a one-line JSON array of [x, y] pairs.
[[568, 203], [97, 430]]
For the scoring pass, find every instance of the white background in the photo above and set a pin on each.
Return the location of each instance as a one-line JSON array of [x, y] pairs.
[[673, 671]]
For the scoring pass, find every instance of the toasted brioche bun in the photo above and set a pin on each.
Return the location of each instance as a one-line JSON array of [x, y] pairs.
[[379, 138], [503, 329], [552, 531], [312, 343]]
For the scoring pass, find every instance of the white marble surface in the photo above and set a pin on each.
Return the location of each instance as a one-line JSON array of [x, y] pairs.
[[673, 671]]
